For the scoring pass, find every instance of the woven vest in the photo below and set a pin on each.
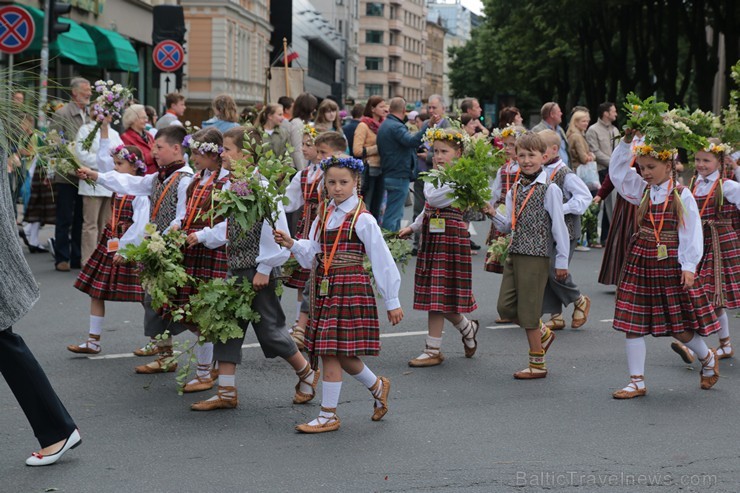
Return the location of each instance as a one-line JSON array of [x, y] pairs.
[[572, 221], [533, 235], [168, 207], [243, 247]]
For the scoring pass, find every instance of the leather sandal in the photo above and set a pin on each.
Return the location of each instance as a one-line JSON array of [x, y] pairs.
[[470, 351], [547, 342], [302, 397], [330, 423], [431, 360], [503, 321], [556, 322], [707, 383], [92, 345], [299, 336], [379, 412], [199, 384], [634, 390], [163, 364], [685, 353], [149, 349], [530, 373], [584, 308], [725, 349], [222, 401]]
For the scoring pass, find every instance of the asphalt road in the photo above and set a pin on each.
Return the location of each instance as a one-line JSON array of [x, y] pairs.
[[466, 425]]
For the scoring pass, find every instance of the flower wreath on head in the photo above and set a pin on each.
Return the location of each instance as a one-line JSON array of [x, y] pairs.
[[311, 131], [721, 148], [453, 135], [121, 152], [661, 155], [201, 147], [342, 162]]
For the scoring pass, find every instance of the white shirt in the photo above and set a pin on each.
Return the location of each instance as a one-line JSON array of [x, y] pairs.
[[511, 168], [580, 196], [104, 159], [294, 192], [385, 271], [205, 176], [135, 233], [436, 198], [144, 185], [90, 159], [553, 206], [730, 189], [631, 187]]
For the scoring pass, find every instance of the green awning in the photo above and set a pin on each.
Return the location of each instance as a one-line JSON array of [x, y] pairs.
[[114, 51], [76, 45]]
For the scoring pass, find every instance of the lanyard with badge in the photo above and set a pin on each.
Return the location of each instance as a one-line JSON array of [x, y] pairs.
[[662, 252], [329, 257], [114, 242]]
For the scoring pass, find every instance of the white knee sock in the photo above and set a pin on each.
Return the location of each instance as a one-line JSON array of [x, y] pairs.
[[366, 377], [226, 381], [636, 353], [700, 348], [204, 355], [462, 323], [297, 311], [33, 233], [96, 325], [724, 325], [329, 399]]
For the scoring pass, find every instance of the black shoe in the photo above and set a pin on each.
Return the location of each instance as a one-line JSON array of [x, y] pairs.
[[23, 236], [37, 249], [474, 245]]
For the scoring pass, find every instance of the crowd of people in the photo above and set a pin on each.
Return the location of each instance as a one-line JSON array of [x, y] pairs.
[[675, 264]]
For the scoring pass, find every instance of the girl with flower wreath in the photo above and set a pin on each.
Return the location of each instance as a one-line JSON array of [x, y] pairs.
[[657, 294], [443, 279], [344, 319], [718, 199], [107, 276]]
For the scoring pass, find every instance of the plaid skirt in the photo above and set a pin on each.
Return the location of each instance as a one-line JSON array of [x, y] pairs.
[[345, 321], [299, 277], [721, 278], [201, 263], [102, 280], [494, 266], [621, 229], [41, 207], [650, 298], [444, 279]]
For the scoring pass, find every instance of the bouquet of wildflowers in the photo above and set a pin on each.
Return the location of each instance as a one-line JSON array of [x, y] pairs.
[[111, 102], [499, 249], [57, 154]]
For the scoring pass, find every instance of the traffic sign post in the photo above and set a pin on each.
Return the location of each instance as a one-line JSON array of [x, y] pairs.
[[168, 56]]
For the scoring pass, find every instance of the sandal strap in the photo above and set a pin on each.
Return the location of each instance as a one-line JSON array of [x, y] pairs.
[[332, 410], [93, 337], [724, 342]]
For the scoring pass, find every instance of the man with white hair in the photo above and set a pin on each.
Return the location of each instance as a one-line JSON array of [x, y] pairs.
[[552, 117]]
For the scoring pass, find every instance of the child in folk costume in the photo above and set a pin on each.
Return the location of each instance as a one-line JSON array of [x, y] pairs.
[[657, 293], [534, 215], [107, 276], [304, 191], [344, 319], [443, 279], [167, 192], [252, 256], [576, 200], [719, 270], [326, 145], [505, 178]]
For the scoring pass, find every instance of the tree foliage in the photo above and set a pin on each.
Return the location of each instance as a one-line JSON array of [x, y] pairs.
[[577, 52]]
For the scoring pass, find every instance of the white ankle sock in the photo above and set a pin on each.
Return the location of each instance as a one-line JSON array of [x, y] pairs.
[[433, 346], [204, 355], [724, 325], [33, 233], [329, 399], [305, 383], [462, 323], [96, 325], [701, 350], [636, 353], [366, 377], [227, 380]]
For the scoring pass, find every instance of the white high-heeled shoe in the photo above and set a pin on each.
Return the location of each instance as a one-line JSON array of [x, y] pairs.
[[45, 460]]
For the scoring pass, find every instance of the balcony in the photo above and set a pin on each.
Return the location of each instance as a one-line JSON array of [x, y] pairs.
[[395, 78], [395, 25], [395, 51], [396, 2]]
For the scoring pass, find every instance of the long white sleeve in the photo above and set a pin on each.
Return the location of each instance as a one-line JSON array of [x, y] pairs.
[[294, 193], [135, 233], [436, 198], [126, 184], [554, 207], [104, 159], [271, 254], [690, 234], [580, 196], [182, 198], [87, 158], [730, 189], [502, 222], [385, 271], [212, 237], [626, 181]]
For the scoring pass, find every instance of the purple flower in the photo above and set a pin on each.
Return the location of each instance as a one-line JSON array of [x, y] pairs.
[[241, 189], [186, 141]]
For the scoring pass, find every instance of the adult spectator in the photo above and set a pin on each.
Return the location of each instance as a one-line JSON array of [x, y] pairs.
[[66, 245], [151, 125], [471, 108], [95, 200], [349, 128], [287, 103], [365, 148], [578, 148], [437, 113], [175, 104], [552, 117], [303, 113], [421, 167], [602, 138], [225, 114], [270, 122], [19, 98], [509, 116], [134, 134], [397, 148]]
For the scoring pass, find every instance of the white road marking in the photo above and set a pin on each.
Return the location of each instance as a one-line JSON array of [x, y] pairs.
[[503, 326], [607, 320]]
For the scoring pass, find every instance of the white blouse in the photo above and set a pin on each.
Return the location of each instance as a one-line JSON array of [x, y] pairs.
[[437, 198], [580, 196], [730, 189], [553, 206], [385, 271], [135, 233], [631, 187], [294, 192]]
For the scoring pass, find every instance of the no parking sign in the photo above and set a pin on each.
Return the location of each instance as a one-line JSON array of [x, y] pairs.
[[16, 29], [168, 56]]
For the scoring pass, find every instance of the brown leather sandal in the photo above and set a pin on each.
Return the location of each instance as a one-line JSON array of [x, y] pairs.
[[686, 355], [227, 398], [470, 351], [299, 336], [302, 397], [556, 322], [379, 412], [92, 345], [707, 383], [330, 423], [584, 308], [201, 383], [725, 349], [432, 360], [635, 392]]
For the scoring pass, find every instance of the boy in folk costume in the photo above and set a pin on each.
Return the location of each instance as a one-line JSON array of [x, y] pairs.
[[576, 200], [167, 191], [534, 215]]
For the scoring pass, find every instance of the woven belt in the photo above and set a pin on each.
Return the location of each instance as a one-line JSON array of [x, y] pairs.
[[308, 210], [719, 296], [447, 213], [341, 260], [665, 236]]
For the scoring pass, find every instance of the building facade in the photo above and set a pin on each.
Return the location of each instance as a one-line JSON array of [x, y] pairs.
[[392, 49], [345, 16], [457, 21], [435, 55]]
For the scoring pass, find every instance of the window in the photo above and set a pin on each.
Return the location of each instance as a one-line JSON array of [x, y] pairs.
[[373, 90], [321, 65], [374, 9], [374, 37], [373, 63]]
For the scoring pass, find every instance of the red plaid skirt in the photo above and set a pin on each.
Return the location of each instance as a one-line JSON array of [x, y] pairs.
[[299, 277], [41, 207], [202, 263], [650, 298], [443, 279], [720, 282], [621, 229], [101, 279]]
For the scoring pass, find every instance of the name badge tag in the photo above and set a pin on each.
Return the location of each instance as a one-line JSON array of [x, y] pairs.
[[501, 209], [436, 225], [113, 245], [324, 287], [662, 252]]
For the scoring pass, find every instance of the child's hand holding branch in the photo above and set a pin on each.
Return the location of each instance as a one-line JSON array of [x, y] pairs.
[[283, 239], [405, 232], [87, 174]]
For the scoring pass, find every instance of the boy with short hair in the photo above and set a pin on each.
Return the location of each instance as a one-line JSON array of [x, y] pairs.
[[175, 104]]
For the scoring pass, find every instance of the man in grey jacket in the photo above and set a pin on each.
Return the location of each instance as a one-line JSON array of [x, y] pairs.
[[51, 423], [602, 139]]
